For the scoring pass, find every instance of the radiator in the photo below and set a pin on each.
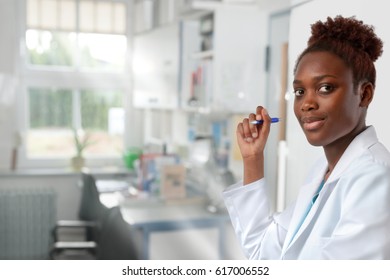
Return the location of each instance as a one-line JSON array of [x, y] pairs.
[[27, 217]]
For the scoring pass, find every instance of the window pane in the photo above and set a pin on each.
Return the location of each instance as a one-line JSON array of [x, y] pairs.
[[50, 48], [51, 122], [66, 35], [50, 108], [50, 118], [102, 51], [102, 116], [50, 143]]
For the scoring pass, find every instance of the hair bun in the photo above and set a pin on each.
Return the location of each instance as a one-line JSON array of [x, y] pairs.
[[349, 30]]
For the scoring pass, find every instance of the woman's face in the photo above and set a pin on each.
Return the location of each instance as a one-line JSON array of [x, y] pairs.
[[326, 105]]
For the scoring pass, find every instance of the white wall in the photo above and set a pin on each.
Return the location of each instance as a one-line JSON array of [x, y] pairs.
[[8, 28], [8, 54], [371, 12]]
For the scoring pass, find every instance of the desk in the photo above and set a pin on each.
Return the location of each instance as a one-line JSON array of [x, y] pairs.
[[169, 218], [157, 216]]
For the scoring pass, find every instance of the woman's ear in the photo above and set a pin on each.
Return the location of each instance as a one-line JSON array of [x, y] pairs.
[[366, 92]]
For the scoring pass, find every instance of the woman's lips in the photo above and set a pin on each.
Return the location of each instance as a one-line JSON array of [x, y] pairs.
[[312, 123]]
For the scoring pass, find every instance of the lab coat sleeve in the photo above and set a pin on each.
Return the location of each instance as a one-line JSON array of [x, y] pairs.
[[260, 234], [363, 231]]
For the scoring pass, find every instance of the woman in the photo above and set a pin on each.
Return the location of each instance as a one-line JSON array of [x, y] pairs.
[[343, 209]]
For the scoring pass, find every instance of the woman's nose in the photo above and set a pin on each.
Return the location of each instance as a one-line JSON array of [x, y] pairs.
[[309, 102]]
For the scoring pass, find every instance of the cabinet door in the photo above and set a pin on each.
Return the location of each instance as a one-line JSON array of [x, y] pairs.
[[239, 48], [155, 68], [196, 69], [232, 69]]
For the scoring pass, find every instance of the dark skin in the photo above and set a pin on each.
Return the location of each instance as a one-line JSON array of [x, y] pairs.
[[329, 107]]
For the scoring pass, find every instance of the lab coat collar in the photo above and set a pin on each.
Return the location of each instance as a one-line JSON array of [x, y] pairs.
[[360, 144]]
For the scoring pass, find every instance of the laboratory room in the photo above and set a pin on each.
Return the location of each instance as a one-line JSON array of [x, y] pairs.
[[118, 120]]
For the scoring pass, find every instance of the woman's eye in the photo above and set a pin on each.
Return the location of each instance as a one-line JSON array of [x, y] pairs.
[[325, 89], [298, 92]]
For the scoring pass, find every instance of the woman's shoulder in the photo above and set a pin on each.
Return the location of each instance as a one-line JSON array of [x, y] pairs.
[[379, 154], [374, 162], [367, 150]]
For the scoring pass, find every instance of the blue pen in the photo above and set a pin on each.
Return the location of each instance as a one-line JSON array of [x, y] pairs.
[[273, 120]]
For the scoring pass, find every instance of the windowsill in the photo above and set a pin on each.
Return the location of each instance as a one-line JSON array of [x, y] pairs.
[[117, 171]]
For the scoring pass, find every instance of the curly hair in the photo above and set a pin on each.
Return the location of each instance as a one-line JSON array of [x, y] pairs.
[[350, 39]]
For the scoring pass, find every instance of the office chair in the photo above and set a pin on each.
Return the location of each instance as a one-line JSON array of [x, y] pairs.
[[92, 214], [116, 238], [108, 235]]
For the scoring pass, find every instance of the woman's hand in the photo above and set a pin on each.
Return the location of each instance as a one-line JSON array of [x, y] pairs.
[[251, 140]]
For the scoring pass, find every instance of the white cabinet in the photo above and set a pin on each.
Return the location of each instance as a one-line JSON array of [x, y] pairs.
[[156, 68], [213, 61], [228, 73]]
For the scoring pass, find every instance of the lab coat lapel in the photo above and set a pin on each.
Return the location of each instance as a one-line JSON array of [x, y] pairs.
[[305, 229], [303, 201], [306, 194]]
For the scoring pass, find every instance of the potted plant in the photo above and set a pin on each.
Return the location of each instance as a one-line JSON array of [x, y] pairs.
[[81, 141]]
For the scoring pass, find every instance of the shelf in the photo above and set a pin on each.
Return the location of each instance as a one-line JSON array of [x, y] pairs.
[[116, 171], [203, 55], [197, 109]]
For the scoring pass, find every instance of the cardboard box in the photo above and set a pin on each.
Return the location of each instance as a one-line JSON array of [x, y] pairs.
[[173, 179]]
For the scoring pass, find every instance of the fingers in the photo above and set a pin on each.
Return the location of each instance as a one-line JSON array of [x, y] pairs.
[[266, 126], [244, 130], [259, 109], [248, 131], [252, 127], [249, 136]]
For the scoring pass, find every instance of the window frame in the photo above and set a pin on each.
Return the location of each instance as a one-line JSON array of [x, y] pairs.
[[71, 78]]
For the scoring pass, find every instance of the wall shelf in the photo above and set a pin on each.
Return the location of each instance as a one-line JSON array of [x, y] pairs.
[[203, 55]]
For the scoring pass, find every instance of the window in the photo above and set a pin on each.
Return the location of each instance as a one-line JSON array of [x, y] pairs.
[[74, 77], [51, 115]]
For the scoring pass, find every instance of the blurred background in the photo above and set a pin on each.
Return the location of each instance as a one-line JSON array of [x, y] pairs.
[[144, 96]]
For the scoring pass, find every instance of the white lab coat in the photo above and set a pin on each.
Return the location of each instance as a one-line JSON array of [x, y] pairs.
[[349, 220]]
